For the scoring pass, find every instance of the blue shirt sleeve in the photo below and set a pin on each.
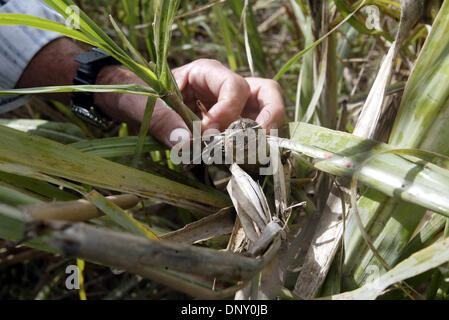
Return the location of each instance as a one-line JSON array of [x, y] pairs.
[[19, 44]]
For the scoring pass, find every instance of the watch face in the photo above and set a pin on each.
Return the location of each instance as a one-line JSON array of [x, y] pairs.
[[83, 102]]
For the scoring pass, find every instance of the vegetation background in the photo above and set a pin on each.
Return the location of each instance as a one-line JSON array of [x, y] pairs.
[[327, 56]]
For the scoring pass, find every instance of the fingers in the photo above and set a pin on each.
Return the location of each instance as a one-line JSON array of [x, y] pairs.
[[232, 97], [130, 108], [225, 94], [166, 125], [216, 86], [265, 103]]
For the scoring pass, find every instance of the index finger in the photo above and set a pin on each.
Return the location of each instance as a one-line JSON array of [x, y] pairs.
[[266, 98], [231, 91]]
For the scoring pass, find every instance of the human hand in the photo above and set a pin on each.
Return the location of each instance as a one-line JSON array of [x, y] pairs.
[[225, 94]]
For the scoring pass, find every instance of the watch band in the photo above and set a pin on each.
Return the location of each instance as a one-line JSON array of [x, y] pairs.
[[83, 102]]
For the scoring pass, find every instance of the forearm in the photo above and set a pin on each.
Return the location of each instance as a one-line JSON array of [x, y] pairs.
[[55, 65], [37, 60]]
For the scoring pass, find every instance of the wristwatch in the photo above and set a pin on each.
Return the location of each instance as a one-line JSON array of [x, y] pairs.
[[83, 102]]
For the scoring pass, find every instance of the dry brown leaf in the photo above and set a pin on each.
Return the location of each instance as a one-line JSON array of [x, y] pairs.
[[210, 227], [247, 224]]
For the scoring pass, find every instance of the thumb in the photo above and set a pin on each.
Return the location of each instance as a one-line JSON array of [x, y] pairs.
[[167, 126]]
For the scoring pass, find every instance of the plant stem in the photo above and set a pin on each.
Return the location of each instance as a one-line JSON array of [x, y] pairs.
[[186, 114]]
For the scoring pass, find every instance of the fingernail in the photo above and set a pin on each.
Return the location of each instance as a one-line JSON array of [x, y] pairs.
[[263, 119], [179, 83], [179, 136], [180, 78], [208, 124]]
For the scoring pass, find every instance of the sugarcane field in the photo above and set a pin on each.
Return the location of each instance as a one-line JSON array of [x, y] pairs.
[[257, 153]]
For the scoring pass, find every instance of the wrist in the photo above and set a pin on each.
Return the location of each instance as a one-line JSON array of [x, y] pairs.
[[125, 107], [109, 103]]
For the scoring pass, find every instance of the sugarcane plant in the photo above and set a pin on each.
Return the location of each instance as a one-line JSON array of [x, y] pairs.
[[378, 193]]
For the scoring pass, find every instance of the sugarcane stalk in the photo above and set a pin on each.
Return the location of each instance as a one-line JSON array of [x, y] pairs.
[[78, 210], [421, 123], [343, 154], [130, 252]]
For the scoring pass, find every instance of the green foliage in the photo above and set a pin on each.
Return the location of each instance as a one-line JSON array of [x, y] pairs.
[[279, 40]]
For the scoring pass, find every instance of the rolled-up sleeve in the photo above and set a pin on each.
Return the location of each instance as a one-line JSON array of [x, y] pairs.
[[19, 44]]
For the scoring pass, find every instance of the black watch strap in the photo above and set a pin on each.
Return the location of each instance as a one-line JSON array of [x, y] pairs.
[[83, 102]]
